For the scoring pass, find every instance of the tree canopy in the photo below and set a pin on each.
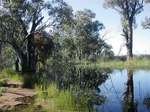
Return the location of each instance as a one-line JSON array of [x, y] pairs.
[[33, 28], [128, 9]]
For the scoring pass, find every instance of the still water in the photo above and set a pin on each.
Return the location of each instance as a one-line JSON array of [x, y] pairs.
[[98, 90], [126, 91]]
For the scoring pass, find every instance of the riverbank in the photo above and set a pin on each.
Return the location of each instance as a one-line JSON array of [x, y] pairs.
[[143, 63], [68, 93], [47, 96]]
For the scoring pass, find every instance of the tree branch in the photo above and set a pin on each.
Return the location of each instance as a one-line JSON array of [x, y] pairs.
[[35, 24]]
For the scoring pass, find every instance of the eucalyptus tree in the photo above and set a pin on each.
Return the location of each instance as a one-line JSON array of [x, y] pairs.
[[87, 31], [20, 28], [77, 36], [128, 9], [63, 30]]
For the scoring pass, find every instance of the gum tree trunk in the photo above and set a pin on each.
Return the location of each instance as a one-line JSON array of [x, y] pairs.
[[27, 57], [31, 57], [130, 43]]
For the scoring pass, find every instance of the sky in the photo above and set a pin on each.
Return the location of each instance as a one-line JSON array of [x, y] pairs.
[[111, 21]]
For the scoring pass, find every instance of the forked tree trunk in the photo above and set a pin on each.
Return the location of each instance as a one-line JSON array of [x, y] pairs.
[[28, 58]]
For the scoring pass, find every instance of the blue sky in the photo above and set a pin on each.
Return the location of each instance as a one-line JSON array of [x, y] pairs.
[[111, 20]]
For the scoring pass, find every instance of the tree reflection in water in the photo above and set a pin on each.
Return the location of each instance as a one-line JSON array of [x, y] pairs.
[[129, 105], [82, 83]]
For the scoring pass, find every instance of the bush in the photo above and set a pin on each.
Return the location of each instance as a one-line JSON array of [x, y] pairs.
[[10, 74]]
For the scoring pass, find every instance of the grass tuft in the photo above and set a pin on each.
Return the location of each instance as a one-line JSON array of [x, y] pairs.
[[10, 74]]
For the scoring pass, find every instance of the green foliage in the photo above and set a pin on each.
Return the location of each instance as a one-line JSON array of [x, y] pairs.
[[10, 74], [56, 100], [114, 64], [25, 17], [7, 57], [2, 90], [64, 100], [81, 38], [75, 35]]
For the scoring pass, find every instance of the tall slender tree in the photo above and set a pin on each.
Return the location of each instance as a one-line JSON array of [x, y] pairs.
[[128, 9]]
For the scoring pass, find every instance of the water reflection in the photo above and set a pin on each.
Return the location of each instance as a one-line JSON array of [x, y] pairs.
[[99, 90], [126, 91], [82, 83], [128, 103]]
